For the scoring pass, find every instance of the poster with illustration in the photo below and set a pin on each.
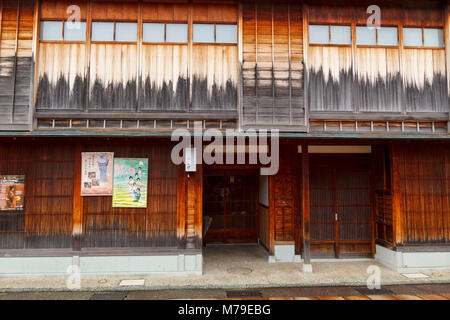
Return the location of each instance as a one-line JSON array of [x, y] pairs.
[[97, 173], [12, 193], [130, 183]]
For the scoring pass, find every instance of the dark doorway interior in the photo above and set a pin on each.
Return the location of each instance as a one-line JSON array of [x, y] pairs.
[[231, 201]]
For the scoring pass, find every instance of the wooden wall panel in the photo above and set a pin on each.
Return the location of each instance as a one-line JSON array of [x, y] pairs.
[[46, 221], [215, 75], [165, 11], [137, 76], [165, 78], [51, 9], [411, 13], [220, 13], [272, 68], [425, 80], [62, 76], [384, 79], [423, 177], [378, 80], [330, 78], [154, 226], [115, 10], [113, 76], [16, 63]]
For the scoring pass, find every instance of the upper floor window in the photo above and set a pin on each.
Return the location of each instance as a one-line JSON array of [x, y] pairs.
[[384, 36], [214, 33], [330, 34], [423, 37], [165, 32], [62, 31], [114, 31]]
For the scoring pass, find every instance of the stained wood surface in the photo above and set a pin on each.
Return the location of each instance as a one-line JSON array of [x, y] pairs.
[[55, 213], [139, 76], [342, 188], [423, 178], [372, 78], [16, 63], [272, 69]]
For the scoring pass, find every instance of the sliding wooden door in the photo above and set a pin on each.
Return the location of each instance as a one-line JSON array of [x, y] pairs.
[[341, 206]]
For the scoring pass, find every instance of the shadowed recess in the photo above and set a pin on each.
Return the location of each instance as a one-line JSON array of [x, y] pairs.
[[165, 97]]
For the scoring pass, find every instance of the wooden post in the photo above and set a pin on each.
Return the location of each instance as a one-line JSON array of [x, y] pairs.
[[190, 209], [397, 216], [181, 208], [77, 232], [447, 50], [307, 267]]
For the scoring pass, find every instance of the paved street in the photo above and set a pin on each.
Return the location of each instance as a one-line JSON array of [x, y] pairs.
[[399, 292]]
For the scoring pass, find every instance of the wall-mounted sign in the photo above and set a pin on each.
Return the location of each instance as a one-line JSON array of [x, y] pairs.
[[97, 173], [130, 183], [190, 159], [12, 193]]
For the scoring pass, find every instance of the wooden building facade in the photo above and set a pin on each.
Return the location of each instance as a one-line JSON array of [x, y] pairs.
[[362, 114]]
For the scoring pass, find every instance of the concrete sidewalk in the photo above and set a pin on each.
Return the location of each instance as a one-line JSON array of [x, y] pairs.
[[229, 267]]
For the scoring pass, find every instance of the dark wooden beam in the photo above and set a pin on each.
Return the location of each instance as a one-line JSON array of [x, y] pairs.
[[306, 211]]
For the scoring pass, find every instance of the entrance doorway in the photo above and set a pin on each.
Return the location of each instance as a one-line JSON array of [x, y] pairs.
[[340, 203], [231, 202]]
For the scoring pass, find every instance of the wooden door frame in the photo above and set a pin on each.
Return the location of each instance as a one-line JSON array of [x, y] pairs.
[[227, 171], [370, 171]]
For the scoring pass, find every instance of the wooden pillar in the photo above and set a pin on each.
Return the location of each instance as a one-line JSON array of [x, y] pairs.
[[446, 13], [77, 231], [190, 209], [307, 267], [397, 215]]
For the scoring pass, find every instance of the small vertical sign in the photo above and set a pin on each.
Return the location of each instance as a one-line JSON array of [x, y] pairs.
[[190, 159]]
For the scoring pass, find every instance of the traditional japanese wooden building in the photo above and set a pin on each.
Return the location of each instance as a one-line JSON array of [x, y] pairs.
[[362, 111]]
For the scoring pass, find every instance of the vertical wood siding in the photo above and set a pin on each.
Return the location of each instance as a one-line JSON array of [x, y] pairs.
[[377, 79], [165, 81], [272, 68], [113, 76], [424, 179], [16, 63], [62, 77], [46, 221], [48, 218], [140, 76]]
